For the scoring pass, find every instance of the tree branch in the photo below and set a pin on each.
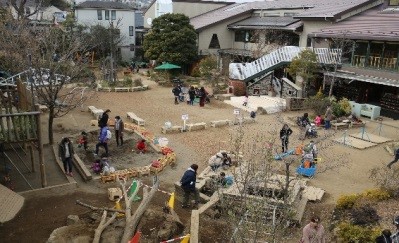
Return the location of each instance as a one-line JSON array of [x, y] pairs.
[[98, 208]]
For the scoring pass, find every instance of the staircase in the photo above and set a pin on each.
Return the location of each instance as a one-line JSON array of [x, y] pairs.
[[278, 58]]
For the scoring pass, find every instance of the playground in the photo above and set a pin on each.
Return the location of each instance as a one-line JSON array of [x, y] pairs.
[[50, 209]]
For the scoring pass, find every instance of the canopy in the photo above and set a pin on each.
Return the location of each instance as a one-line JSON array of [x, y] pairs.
[[167, 66]]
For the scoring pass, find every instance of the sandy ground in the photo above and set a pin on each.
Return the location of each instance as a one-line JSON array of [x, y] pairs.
[[156, 106]]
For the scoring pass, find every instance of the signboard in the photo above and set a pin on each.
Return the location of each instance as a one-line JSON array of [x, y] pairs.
[[184, 117], [236, 111]]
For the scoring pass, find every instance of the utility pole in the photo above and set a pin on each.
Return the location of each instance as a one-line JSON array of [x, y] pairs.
[[112, 50]]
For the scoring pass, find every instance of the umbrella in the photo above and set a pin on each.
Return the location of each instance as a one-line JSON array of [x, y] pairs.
[[167, 66]]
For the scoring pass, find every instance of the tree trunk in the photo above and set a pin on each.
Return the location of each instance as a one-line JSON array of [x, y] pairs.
[[103, 224], [333, 81], [50, 125], [132, 222]]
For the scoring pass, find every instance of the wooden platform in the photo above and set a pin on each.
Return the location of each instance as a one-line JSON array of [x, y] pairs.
[[313, 193], [370, 137], [10, 202], [354, 142]]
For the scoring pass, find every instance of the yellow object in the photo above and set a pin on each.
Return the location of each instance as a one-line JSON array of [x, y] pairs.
[[318, 160], [171, 202], [186, 239], [118, 207]]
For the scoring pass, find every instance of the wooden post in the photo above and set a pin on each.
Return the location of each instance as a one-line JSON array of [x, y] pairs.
[[194, 226], [353, 54], [32, 157], [40, 148], [367, 62]]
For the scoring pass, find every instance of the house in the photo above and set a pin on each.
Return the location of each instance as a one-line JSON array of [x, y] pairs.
[[190, 8], [34, 11], [105, 13]]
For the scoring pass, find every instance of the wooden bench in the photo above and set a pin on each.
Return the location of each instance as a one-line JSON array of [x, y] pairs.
[[96, 112], [104, 89], [135, 118], [137, 88], [340, 125], [243, 120], [220, 123], [144, 87], [173, 129], [196, 126], [123, 89]]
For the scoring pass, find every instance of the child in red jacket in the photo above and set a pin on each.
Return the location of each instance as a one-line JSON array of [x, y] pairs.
[[141, 146]]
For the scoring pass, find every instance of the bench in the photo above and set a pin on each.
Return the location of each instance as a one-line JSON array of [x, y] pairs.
[[340, 125], [196, 126], [371, 111], [137, 88], [220, 123], [243, 120], [144, 87], [96, 112], [173, 129], [135, 118], [104, 89], [123, 89]]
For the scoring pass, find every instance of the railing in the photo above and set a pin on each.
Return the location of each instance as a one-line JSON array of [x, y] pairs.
[[374, 62], [243, 71]]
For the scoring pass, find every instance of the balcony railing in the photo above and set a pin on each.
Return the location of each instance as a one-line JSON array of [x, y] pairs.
[[375, 62]]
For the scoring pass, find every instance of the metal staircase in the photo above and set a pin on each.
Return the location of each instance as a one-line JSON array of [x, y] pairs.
[[278, 58]]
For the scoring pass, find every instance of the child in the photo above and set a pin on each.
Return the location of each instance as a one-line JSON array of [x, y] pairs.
[[141, 146], [245, 101], [317, 120], [83, 141], [187, 97]]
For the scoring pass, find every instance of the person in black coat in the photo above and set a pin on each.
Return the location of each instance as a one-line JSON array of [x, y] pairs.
[[103, 121], [191, 94], [285, 132], [188, 185], [176, 92]]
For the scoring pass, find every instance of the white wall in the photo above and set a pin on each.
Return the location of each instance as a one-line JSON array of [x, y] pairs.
[[89, 17]]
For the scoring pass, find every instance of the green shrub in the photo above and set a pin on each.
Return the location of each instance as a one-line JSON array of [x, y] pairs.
[[347, 201], [345, 106], [138, 82], [350, 233], [377, 194], [318, 104], [127, 82]]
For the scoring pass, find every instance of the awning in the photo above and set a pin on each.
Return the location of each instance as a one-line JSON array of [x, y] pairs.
[[364, 78], [273, 23]]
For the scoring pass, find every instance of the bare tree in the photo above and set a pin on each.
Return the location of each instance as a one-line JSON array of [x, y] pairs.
[[346, 46], [23, 10]]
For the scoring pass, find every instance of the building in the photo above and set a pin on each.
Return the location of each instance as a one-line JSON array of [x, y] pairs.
[[119, 15]]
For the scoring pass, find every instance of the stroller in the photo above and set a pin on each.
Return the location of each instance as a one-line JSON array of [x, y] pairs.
[[311, 131], [308, 166]]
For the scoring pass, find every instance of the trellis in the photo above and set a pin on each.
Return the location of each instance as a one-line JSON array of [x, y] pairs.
[[20, 126]]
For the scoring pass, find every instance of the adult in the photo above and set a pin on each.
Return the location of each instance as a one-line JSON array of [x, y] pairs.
[[285, 133], [103, 121], [65, 153], [395, 236], [215, 161], [328, 117], [119, 128], [304, 120], [202, 94], [141, 146], [313, 232], [176, 92], [396, 158], [310, 151], [191, 94], [226, 161], [188, 185], [103, 138]]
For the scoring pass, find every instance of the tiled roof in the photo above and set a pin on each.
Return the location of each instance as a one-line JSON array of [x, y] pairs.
[[104, 5], [307, 8], [373, 24], [264, 21]]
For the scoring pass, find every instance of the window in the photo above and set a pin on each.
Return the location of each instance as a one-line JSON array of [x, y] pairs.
[[131, 30], [113, 14], [214, 44], [243, 36], [99, 14], [106, 14], [394, 2]]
